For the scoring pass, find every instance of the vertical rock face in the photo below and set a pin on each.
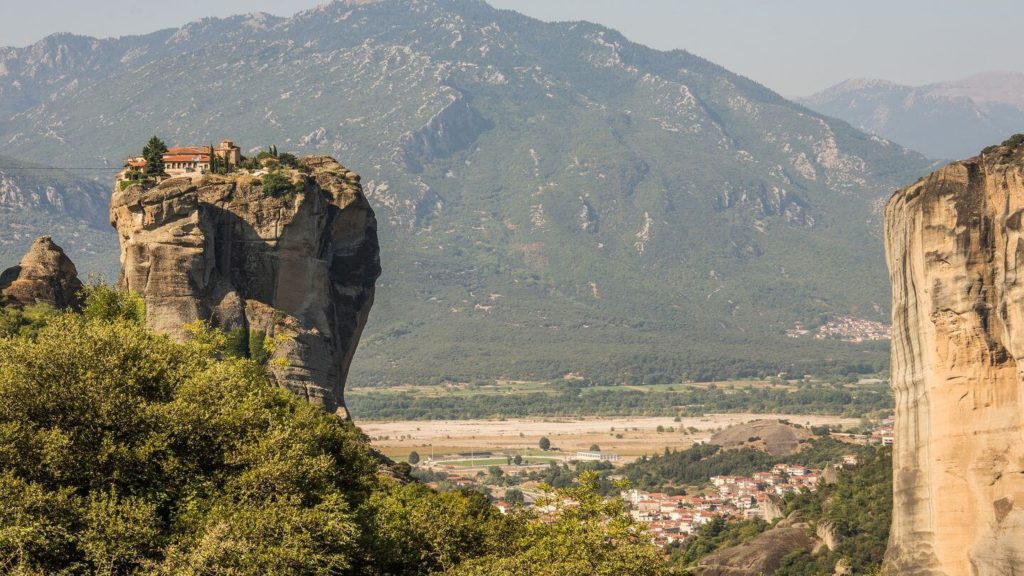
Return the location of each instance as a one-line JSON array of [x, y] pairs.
[[296, 267], [955, 249], [44, 275]]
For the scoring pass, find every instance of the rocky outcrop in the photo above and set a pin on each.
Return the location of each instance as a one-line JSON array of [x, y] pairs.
[[772, 436], [772, 508], [294, 266], [955, 251], [45, 275], [762, 554]]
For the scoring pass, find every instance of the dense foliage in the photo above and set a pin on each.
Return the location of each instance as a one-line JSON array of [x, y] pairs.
[[122, 452], [859, 509], [277, 183], [589, 535], [717, 534], [572, 399], [696, 464]]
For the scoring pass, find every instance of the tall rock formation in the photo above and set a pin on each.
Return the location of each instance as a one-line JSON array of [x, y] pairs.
[[955, 248], [296, 266], [45, 275]]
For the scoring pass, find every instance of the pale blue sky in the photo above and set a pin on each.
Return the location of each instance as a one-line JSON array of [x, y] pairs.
[[793, 46]]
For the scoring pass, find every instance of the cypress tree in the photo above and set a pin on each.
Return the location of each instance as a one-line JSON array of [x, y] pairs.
[[153, 153]]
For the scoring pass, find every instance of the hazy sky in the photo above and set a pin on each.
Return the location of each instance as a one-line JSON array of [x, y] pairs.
[[793, 46]]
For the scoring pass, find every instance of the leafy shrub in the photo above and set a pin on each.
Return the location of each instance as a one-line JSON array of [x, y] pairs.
[[126, 452], [27, 322], [106, 304], [277, 184], [289, 160], [587, 534], [1014, 141]]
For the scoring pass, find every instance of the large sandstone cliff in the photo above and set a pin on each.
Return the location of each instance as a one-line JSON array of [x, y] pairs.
[[955, 251], [297, 267]]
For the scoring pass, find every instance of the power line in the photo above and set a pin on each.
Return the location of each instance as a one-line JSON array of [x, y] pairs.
[[59, 168]]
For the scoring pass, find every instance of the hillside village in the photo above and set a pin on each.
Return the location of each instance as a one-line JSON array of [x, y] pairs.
[[670, 517], [673, 518]]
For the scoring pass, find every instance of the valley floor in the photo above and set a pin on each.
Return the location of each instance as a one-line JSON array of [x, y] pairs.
[[628, 437]]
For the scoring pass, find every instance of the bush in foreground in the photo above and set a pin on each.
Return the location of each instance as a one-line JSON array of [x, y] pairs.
[[123, 452]]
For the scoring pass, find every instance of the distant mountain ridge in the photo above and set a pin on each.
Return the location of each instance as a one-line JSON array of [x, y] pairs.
[[945, 120], [553, 197], [37, 200]]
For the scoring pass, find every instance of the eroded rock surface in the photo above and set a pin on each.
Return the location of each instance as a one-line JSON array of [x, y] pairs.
[[45, 275], [763, 554], [955, 250], [297, 267], [774, 437]]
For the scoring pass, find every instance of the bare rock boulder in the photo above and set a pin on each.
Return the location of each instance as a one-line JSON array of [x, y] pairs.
[[296, 266], [955, 249], [45, 275]]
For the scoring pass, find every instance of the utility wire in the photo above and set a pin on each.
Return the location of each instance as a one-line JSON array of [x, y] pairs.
[[58, 168]]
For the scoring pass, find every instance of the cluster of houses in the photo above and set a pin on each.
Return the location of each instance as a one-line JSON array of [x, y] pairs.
[[847, 329], [191, 160], [675, 518], [882, 435]]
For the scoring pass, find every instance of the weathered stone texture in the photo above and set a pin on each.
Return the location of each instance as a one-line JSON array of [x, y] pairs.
[[762, 554], [302, 265], [45, 275], [955, 251]]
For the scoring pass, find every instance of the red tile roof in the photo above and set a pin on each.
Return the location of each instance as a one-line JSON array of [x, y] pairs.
[[186, 158], [177, 151]]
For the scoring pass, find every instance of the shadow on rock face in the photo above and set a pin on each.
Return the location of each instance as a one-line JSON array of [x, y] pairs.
[[297, 269]]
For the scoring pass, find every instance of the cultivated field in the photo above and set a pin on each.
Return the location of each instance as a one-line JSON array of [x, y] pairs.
[[627, 436]]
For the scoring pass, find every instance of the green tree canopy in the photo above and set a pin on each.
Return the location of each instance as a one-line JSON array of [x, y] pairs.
[[588, 535], [153, 154], [124, 452]]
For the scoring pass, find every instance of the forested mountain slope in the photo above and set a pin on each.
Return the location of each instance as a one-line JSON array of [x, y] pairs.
[[557, 198]]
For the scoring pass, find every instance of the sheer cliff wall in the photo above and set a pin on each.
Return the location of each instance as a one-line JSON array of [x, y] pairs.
[[296, 265], [955, 250]]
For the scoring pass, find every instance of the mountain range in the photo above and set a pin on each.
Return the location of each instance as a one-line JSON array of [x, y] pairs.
[[949, 120], [38, 200], [554, 199]]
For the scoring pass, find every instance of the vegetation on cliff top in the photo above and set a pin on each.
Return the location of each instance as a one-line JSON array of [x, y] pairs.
[[123, 452]]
